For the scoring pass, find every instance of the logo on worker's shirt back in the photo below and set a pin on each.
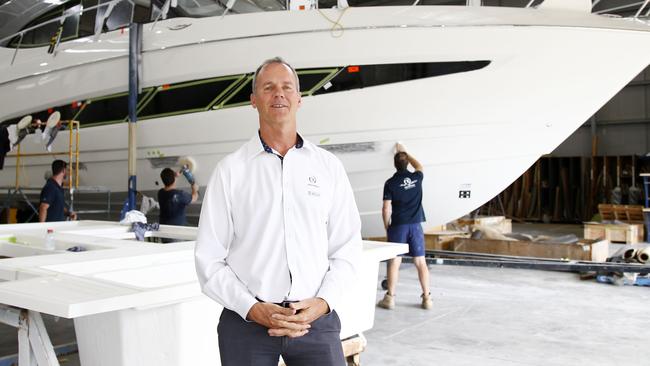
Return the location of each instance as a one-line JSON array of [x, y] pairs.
[[408, 183]]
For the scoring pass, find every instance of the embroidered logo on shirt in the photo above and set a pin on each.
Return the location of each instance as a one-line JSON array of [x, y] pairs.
[[408, 183], [312, 182], [313, 190]]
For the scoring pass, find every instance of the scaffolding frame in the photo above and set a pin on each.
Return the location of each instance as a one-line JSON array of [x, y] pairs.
[[73, 168]]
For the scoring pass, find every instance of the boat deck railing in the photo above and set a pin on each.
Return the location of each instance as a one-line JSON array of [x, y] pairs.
[[643, 11]]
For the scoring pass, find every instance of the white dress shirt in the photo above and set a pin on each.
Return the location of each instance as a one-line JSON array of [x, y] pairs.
[[277, 229]]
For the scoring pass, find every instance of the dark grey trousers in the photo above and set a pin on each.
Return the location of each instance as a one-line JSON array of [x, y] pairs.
[[244, 343]]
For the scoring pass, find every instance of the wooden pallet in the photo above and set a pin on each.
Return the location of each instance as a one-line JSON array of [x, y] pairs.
[[631, 214], [621, 233], [499, 223], [441, 240]]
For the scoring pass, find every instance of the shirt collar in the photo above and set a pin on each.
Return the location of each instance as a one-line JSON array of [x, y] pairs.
[[257, 145]]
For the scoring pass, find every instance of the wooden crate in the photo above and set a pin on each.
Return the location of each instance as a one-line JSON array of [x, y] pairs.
[[584, 250], [441, 240], [630, 214], [606, 212], [497, 222], [634, 214], [623, 233]]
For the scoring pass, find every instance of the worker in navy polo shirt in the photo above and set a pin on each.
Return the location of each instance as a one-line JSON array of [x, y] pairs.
[[52, 200], [173, 202], [403, 214], [279, 237]]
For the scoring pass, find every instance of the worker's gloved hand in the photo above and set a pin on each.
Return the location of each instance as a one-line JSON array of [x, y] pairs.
[[188, 175]]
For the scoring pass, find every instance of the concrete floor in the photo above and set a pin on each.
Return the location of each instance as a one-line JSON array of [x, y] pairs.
[[505, 317], [485, 316]]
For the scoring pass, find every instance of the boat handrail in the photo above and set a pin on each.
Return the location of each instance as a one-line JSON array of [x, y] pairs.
[[112, 3], [61, 19]]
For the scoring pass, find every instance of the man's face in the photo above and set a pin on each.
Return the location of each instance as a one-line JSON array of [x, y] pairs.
[[276, 95]]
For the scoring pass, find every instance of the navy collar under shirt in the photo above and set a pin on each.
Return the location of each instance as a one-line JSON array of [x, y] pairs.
[[268, 149]]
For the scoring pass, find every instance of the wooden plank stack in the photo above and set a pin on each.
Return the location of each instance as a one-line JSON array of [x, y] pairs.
[[584, 250]]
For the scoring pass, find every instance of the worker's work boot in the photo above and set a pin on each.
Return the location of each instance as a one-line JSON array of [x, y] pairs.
[[388, 302], [427, 303]]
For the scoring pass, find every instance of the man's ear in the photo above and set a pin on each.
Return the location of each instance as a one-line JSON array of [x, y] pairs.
[[253, 101]]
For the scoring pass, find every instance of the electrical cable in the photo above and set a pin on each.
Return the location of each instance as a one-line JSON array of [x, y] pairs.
[[336, 24]]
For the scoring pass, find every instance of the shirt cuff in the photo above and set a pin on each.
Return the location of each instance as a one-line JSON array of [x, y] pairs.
[[243, 306], [330, 297]]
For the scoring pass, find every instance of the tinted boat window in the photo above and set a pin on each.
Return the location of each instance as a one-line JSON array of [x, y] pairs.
[[119, 17], [184, 98], [311, 78], [355, 77], [43, 35], [114, 108], [241, 95]]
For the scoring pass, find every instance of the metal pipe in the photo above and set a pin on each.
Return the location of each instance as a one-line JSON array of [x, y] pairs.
[[616, 8], [496, 261], [643, 255], [70, 167], [20, 41], [594, 136], [629, 255], [135, 37], [18, 167], [641, 8]]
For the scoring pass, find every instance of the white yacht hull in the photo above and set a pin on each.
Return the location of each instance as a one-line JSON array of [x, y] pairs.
[[475, 131]]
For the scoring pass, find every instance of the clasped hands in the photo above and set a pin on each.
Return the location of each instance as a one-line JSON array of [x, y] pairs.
[[293, 321]]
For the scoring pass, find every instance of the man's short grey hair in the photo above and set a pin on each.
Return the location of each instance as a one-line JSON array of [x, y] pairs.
[[276, 60]]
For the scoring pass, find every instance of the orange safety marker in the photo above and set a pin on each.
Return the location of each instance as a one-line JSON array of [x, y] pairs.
[[352, 69]]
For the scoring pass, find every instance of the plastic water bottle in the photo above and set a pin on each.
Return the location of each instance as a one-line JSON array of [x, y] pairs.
[[49, 240]]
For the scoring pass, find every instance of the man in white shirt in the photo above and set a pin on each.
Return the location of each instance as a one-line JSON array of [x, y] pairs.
[[279, 237]]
